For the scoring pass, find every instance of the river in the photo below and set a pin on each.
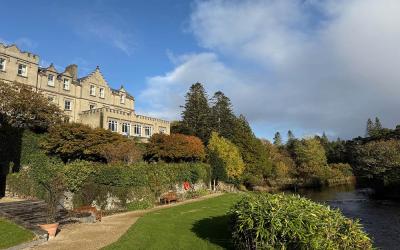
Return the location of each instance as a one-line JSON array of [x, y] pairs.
[[380, 218]]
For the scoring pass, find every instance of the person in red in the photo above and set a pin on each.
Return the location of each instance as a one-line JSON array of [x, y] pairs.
[[186, 185]]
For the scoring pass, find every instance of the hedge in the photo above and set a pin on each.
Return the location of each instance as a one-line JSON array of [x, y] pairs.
[[140, 182], [278, 221]]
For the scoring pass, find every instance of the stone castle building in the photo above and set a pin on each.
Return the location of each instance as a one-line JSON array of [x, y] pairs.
[[88, 100]]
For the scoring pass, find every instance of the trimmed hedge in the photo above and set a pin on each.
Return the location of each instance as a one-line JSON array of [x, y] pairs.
[[278, 221]]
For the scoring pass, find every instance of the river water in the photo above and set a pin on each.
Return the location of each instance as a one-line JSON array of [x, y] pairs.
[[380, 218]]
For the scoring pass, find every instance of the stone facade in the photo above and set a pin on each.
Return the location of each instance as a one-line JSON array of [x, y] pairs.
[[88, 100]]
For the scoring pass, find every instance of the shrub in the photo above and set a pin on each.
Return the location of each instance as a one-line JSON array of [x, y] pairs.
[[267, 221], [72, 141], [122, 152], [174, 148], [225, 159], [94, 182]]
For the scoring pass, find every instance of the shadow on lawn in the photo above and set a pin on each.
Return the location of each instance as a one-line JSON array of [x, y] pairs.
[[215, 230]]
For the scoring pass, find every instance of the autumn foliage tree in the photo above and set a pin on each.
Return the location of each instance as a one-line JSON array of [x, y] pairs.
[[225, 159], [174, 148], [21, 107], [71, 141]]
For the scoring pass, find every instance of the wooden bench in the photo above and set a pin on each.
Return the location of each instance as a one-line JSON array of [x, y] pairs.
[[168, 197], [97, 213]]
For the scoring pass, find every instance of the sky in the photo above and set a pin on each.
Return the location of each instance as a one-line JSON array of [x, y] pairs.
[[311, 66]]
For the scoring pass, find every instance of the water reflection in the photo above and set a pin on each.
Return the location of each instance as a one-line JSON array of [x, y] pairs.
[[381, 218]]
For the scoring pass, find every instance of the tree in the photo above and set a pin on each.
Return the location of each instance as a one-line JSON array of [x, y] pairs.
[[379, 161], [310, 157], [252, 150], [126, 152], [21, 107], [174, 148], [222, 117], [72, 141], [378, 125], [290, 135], [196, 112], [277, 139], [224, 158], [370, 128]]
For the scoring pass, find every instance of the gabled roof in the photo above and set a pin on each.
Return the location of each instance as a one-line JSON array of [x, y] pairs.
[[51, 68], [97, 77]]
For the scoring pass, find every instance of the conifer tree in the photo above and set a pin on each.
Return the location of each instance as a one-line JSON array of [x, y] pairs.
[[222, 117], [290, 135], [196, 112], [378, 126], [370, 128], [277, 139]]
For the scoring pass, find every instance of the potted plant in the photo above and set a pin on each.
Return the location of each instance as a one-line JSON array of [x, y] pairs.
[[47, 173]]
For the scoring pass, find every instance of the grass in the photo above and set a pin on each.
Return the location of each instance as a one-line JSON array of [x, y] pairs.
[[11, 234], [198, 225]]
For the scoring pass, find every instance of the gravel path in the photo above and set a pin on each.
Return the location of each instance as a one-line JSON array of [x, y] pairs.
[[101, 234]]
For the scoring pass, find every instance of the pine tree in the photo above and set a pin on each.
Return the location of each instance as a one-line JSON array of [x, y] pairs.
[[222, 117], [370, 128], [378, 126], [252, 150], [196, 112], [290, 135], [277, 139]]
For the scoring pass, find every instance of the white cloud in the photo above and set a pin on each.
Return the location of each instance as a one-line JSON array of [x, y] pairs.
[[309, 65]]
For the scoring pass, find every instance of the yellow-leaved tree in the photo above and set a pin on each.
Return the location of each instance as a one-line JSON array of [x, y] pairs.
[[225, 159]]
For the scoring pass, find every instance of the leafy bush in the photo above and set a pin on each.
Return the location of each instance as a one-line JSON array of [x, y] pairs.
[[122, 152], [174, 148], [224, 158], [267, 221], [72, 141], [94, 182]]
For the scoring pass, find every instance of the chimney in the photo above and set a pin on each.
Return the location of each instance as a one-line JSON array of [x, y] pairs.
[[73, 70]]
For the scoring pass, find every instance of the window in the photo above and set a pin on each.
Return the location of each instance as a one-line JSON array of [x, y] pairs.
[[162, 130], [66, 84], [122, 99], [92, 90], [50, 80], [126, 128], [92, 106], [67, 105], [147, 131], [22, 70], [137, 129], [2, 64], [101, 91], [113, 125]]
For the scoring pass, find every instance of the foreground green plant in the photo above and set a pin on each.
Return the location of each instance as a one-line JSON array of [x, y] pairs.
[[278, 221]]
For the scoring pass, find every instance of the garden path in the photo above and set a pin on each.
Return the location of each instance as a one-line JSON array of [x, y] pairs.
[[97, 235]]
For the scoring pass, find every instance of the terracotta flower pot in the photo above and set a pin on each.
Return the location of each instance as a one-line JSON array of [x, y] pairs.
[[50, 228]]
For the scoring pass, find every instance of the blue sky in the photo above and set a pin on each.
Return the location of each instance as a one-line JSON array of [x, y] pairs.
[[306, 65]]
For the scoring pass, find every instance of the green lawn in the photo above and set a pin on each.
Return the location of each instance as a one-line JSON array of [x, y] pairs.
[[11, 234], [198, 225]]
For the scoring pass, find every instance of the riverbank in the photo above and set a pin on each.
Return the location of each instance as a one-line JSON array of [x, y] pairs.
[[379, 217]]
